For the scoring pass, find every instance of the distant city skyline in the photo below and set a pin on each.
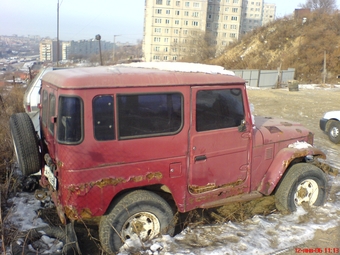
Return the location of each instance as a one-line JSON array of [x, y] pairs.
[[83, 19]]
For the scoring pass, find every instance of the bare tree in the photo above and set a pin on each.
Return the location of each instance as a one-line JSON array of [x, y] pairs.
[[323, 6], [197, 47]]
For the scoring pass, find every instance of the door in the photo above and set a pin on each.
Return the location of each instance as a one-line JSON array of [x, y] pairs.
[[218, 149]]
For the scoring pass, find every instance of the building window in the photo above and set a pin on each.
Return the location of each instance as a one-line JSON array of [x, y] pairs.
[[209, 16], [234, 10], [233, 35], [225, 17], [186, 13], [176, 31], [195, 14], [166, 30], [176, 22], [195, 23], [233, 18], [158, 21], [186, 23], [159, 1], [196, 5], [225, 26], [166, 49], [168, 2], [224, 34], [233, 26], [156, 48], [158, 11], [167, 12], [166, 39], [177, 12], [226, 9], [167, 21], [187, 4], [235, 1], [178, 3], [156, 39], [158, 30]]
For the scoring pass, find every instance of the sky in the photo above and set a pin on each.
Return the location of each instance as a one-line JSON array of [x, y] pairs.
[[84, 19]]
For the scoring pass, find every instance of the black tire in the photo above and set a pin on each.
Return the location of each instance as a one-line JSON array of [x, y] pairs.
[[25, 142], [303, 184], [150, 213], [334, 131]]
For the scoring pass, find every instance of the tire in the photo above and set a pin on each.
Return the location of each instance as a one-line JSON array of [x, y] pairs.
[[334, 131], [25, 142], [138, 211], [303, 184]]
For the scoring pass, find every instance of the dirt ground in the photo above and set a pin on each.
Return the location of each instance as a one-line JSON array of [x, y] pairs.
[[306, 106]]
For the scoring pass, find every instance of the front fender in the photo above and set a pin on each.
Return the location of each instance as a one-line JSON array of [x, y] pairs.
[[281, 163]]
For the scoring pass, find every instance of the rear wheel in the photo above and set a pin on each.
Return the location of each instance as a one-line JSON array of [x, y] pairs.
[[334, 131], [304, 184], [141, 214], [25, 142]]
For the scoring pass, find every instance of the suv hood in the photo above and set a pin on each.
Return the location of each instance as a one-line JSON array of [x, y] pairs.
[[270, 130]]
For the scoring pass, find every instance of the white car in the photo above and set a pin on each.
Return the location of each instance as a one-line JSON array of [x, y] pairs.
[[330, 123]]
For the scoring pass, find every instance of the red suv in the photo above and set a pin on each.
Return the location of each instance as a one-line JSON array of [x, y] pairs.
[[134, 145]]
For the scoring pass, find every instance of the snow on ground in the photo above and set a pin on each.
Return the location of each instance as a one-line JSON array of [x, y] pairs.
[[270, 234]]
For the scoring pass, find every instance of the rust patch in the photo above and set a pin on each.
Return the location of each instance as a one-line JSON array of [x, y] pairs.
[[156, 176], [298, 130], [73, 214], [200, 189], [273, 129], [137, 179], [109, 181]]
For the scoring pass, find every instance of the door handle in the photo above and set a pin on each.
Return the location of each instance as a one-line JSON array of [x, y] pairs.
[[200, 158]]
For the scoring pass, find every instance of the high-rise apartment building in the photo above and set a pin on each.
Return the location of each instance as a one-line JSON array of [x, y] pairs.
[[171, 25], [48, 50], [268, 15], [168, 24]]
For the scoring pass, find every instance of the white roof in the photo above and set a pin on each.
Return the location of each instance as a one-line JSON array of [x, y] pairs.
[[181, 67]]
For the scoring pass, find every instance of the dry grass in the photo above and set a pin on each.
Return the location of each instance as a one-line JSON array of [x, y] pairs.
[[10, 102]]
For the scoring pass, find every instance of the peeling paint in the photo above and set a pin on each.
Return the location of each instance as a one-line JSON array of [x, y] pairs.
[[287, 124], [273, 129], [210, 186]]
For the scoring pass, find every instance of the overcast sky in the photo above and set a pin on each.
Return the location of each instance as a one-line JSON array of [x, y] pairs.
[[83, 19]]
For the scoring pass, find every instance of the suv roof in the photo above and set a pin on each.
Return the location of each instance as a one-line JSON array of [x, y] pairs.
[[176, 74]]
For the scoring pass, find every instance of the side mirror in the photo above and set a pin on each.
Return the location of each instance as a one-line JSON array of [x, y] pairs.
[[242, 126]]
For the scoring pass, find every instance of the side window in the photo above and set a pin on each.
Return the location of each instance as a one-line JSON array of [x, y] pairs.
[[149, 114], [69, 121], [51, 114], [216, 109], [44, 107], [103, 118]]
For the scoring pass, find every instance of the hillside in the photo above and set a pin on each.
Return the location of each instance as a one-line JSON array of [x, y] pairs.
[[290, 43]]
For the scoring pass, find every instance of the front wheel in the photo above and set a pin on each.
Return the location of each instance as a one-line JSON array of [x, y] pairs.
[[304, 184], [141, 213], [334, 131]]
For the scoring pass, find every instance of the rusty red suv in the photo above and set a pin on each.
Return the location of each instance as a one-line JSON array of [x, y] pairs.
[[134, 145]]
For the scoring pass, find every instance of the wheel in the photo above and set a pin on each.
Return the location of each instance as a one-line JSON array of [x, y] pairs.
[[25, 142], [303, 184], [139, 212], [334, 131]]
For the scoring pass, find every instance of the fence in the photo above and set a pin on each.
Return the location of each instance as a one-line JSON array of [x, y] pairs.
[[266, 78]]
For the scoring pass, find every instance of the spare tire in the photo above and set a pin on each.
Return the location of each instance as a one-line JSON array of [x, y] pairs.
[[25, 141]]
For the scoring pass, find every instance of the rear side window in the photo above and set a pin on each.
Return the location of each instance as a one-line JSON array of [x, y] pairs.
[[44, 107], [70, 128], [149, 114], [216, 109], [51, 113], [103, 118]]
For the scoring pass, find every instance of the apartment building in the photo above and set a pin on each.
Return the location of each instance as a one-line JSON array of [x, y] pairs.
[[251, 15], [48, 50], [269, 12], [224, 22], [169, 25]]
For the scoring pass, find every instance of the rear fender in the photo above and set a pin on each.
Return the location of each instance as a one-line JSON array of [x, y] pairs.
[[281, 163]]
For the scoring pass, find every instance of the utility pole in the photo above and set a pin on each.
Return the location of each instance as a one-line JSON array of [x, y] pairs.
[[57, 33], [98, 37], [324, 73], [114, 48]]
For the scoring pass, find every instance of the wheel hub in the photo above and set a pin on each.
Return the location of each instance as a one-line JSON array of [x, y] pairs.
[[144, 224], [306, 192], [334, 132]]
